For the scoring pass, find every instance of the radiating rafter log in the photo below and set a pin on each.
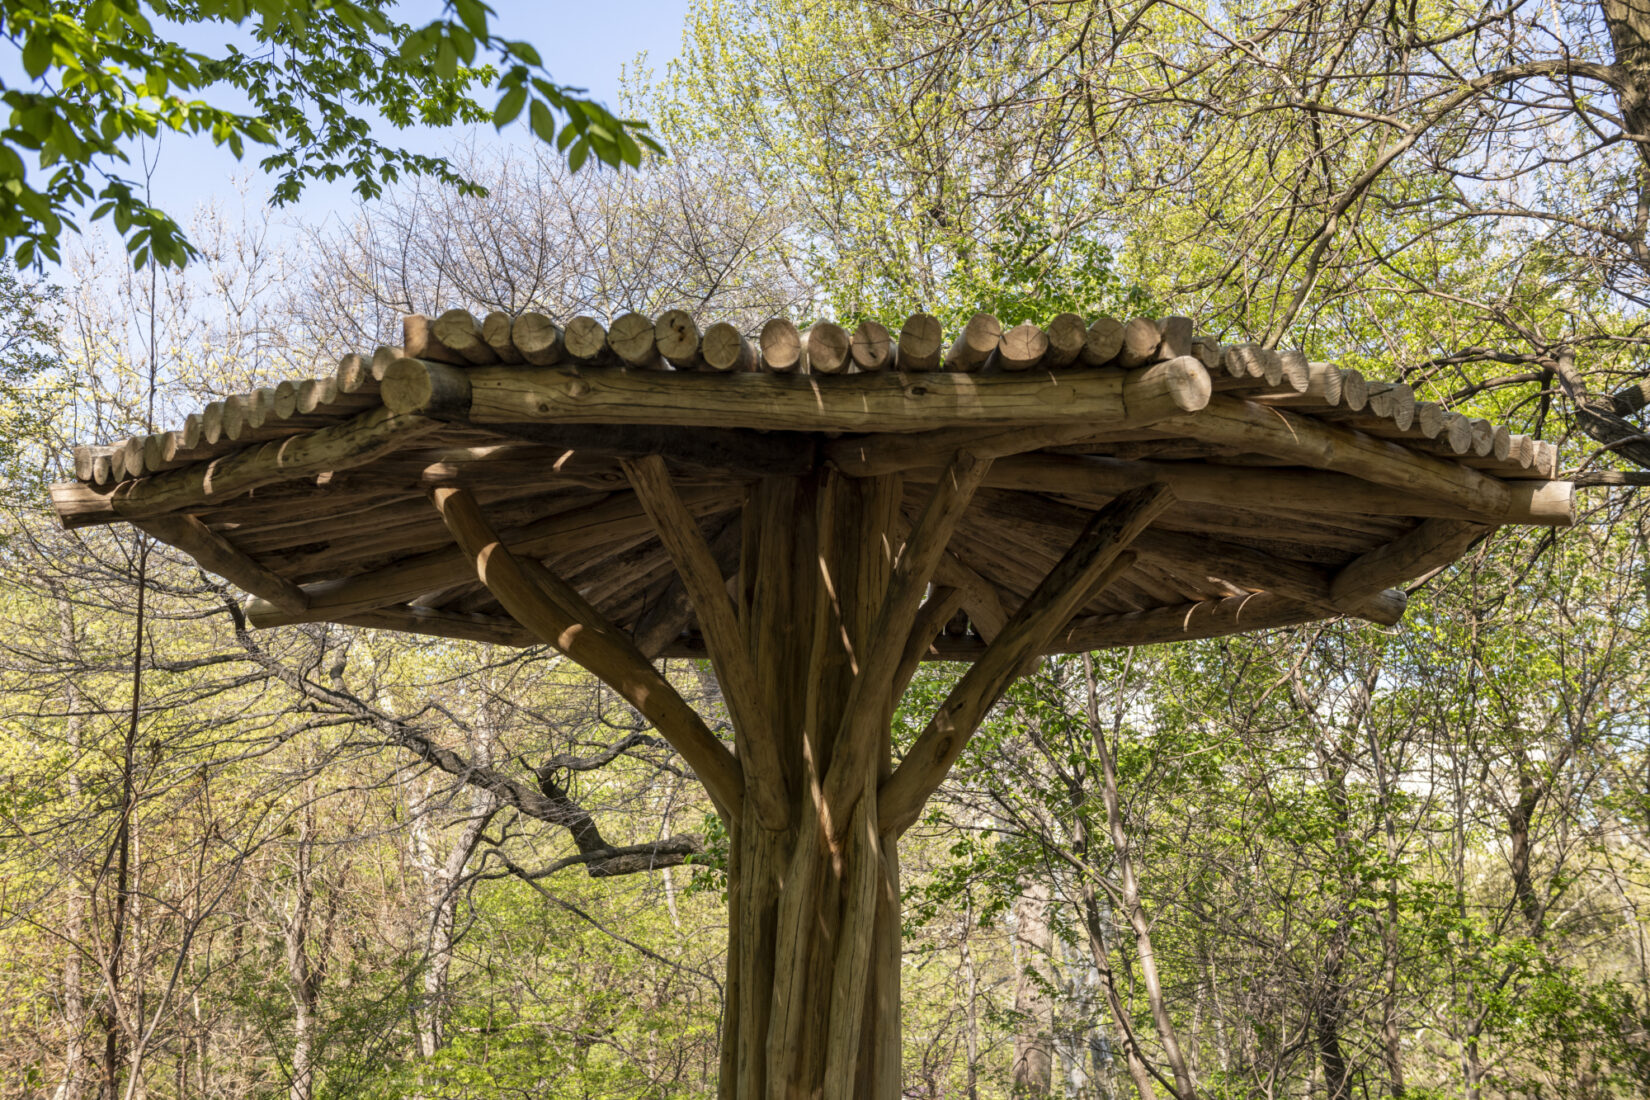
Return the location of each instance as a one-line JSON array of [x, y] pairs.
[[729, 654], [1095, 557], [865, 402], [589, 528], [544, 604], [870, 702], [1300, 439], [1433, 544], [353, 443], [1548, 503]]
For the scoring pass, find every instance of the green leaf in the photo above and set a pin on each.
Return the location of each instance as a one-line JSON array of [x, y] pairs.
[[509, 106], [542, 121]]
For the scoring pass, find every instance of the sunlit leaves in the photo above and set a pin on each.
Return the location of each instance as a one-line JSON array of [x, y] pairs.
[[102, 79]]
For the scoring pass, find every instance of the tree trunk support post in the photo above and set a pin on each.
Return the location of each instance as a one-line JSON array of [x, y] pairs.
[[812, 644]]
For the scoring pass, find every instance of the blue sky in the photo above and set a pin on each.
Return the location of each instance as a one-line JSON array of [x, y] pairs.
[[583, 44]]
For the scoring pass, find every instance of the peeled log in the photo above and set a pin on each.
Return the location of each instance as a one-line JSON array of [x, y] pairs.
[[458, 330], [538, 339], [1174, 337], [1103, 342], [419, 338], [586, 341], [1066, 337], [920, 343], [1083, 400], [872, 347], [1140, 340], [495, 329], [781, 346], [825, 346], [1022, 347], [974, 345], [726, 349], [677, 338]]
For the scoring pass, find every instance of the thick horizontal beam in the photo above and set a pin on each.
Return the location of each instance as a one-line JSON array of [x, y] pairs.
[[872, 402], [1303, 441], [1544, 503]]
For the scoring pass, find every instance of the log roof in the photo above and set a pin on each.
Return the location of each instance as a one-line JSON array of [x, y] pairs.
[[1301, 490]]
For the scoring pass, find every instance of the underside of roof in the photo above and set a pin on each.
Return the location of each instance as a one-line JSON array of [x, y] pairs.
[[1301, 490]]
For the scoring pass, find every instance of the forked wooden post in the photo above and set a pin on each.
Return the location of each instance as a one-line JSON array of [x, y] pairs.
[[817, 513]]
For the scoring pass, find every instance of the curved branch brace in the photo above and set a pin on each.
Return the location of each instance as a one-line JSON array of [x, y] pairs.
[[1096, 557], [551, 609]]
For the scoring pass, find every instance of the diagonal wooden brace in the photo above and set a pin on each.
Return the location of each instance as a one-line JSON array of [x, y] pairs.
[[552, 610], [729, 653], [1098, 556]]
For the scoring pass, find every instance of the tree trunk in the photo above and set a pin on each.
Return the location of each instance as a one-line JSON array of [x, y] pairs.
[[1034, 1039], [75, 1062], [813, 920]]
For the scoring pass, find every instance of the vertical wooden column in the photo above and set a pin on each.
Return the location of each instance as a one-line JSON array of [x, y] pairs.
[[814, 919]]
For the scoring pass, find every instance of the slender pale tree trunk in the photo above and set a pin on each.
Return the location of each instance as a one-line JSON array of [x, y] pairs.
[[302, 973], [1129, 893], [75, 1067], [1033, 1041]]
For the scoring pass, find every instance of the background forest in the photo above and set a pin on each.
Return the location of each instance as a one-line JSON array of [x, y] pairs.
[[1338, 861]]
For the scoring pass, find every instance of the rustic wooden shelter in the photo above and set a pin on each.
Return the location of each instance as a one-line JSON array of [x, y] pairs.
[[817, 512]]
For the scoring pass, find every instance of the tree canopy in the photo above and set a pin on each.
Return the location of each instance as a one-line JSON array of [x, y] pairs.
[[298, 80]]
